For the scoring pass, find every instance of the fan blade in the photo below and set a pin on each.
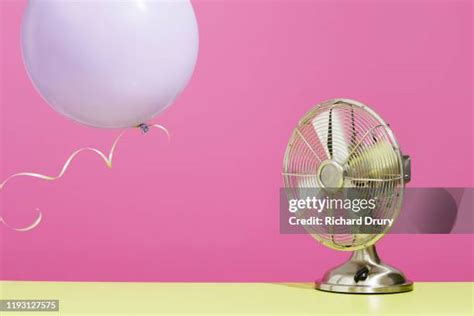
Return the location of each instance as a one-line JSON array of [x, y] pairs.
[[378, 162], [329, 128], [329, 143]]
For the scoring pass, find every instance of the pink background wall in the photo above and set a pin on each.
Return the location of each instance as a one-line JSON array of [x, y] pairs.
[[205, 206]]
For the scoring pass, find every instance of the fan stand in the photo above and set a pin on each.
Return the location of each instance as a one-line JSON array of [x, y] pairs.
[[364, 273]]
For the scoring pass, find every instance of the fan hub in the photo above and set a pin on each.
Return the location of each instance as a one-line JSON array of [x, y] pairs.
[[330, 174]]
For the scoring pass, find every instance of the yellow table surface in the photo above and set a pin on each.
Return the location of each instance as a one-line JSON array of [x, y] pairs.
[[87, 298]]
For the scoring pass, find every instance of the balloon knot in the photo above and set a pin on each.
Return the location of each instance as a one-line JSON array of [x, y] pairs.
[[144, 127]]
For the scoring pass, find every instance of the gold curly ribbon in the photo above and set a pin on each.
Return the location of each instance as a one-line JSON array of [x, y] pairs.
[[107, 159]]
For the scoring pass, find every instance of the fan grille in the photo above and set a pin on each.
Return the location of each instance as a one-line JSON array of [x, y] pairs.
[[348, 134]]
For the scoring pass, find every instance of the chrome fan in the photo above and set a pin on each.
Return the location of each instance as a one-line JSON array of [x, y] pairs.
[[343, 147]]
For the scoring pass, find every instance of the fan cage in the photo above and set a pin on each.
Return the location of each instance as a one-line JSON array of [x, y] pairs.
[[354, 136]]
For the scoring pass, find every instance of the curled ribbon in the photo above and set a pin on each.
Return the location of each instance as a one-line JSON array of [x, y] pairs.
[[107, 159]]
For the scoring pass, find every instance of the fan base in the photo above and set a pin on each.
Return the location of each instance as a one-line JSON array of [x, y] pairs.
[[364, 273]]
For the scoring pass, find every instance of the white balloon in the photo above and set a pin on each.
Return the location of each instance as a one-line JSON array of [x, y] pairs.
[[110, 63]]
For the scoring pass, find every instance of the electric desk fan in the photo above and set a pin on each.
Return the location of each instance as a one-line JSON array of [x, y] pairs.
[[342, 144]]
